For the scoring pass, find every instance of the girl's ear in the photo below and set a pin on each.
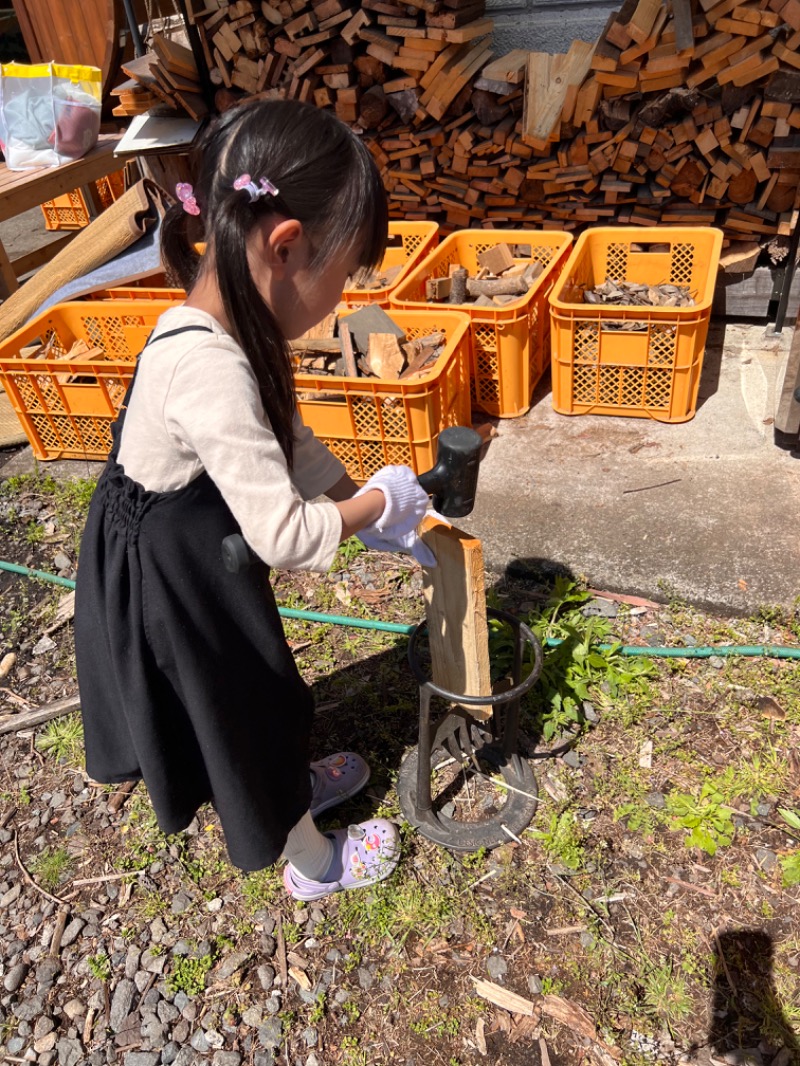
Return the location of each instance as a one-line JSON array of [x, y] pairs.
[[284, 245]]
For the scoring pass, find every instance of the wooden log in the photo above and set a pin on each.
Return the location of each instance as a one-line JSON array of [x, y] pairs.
[[455, 608], [513, 286]]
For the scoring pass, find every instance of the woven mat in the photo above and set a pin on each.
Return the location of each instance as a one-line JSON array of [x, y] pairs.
[[11, 432], [114, 230]]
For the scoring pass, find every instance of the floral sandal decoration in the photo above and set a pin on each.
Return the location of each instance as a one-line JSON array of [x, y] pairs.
[[363, 854], [337, 778]]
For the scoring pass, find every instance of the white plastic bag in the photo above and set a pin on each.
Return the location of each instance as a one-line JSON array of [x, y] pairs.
[[49, 113]]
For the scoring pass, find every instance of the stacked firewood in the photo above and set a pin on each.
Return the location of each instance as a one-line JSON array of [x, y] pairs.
[[366, 61], [366, 343], [501, 279], [684, 112]]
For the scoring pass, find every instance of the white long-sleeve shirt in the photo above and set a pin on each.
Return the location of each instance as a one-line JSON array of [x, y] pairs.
[[195, 407]]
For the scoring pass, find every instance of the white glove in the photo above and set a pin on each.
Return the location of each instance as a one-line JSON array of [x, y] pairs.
[[405, 542], [406, 501]]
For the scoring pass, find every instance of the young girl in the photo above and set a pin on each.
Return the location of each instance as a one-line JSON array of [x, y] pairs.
[[186, 679]]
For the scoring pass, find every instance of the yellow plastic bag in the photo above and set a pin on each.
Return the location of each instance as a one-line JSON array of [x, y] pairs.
[[49, 113]]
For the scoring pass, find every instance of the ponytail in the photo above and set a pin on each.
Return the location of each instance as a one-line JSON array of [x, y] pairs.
[[323, 176]]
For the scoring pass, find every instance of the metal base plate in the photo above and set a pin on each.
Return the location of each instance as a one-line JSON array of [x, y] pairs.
[[469, 809]]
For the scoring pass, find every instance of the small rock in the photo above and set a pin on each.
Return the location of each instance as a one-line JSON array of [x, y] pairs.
[[535, 984], [656, 800], [215, 1040], [199, 1042], [70, 1051], [744, 1057], [169, 1053], [152, 963], [46, 973], [15, 976], [74, 1008], [43, 1026], [72, 931], [496, 967], [181, 901], [141, 1058], [45, 1044], [230, 964], [62, 561], [266, 976], [226, 1058], [766, 859], [310, 1036], [599, 608], [253, 1017], [573, 759], [121, 1003], [783, 1058], [30, 1010], [365, 978], [271, 1033], [11, 896]]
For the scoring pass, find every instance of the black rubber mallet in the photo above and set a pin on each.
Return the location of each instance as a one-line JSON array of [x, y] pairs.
[[452, 482]]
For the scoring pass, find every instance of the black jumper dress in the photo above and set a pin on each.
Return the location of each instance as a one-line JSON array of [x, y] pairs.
[[185, 676]]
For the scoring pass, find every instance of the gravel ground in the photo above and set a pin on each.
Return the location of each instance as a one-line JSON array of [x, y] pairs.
[[606, 934]]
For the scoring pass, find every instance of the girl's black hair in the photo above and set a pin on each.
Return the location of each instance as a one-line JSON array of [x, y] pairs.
[[326, 179]]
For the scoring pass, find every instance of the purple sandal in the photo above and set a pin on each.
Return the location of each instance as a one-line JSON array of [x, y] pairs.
[[337, 778], [363, 854]]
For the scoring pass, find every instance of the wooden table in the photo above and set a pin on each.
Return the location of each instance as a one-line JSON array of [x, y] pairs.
[[20, 190]]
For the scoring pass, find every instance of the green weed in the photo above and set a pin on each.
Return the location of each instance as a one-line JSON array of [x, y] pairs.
[[575, 670], [432, 1020], [349, 550], [99, 966], [563, 839], [665, 994], [706, 818], [189, 975], [51, 867], [263, 888], [63, 739], [761, 774]]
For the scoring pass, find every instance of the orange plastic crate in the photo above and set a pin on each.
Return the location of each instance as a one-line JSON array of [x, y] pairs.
[[649, 371], [409, 243], [509, 343], [70, 211], [66, 406], [369, 423]]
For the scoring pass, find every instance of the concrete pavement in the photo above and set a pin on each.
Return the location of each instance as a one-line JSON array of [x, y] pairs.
[[707, 511]]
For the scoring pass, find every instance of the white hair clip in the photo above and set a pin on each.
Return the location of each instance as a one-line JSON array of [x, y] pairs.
[[263, 188]]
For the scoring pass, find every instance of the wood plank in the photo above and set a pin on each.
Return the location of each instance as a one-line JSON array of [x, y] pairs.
[[549, 78], [174, 56], [455, 607], [684, 30]]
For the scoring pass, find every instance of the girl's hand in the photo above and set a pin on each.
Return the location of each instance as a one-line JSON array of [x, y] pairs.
[[406, 501], [361, 511]]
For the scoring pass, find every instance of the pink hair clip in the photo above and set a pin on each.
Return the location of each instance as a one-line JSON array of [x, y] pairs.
[[185, 194], [256, 191]]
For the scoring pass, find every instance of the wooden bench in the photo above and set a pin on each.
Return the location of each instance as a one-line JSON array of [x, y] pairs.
[[20, 190]]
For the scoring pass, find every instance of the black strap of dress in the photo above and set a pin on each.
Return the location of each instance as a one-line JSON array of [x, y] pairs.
[[116, 426]]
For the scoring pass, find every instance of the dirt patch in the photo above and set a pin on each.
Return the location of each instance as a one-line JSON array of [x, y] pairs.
[[649, 914]]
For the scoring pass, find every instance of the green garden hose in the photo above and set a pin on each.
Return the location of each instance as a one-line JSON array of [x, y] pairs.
[[768, 651]]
